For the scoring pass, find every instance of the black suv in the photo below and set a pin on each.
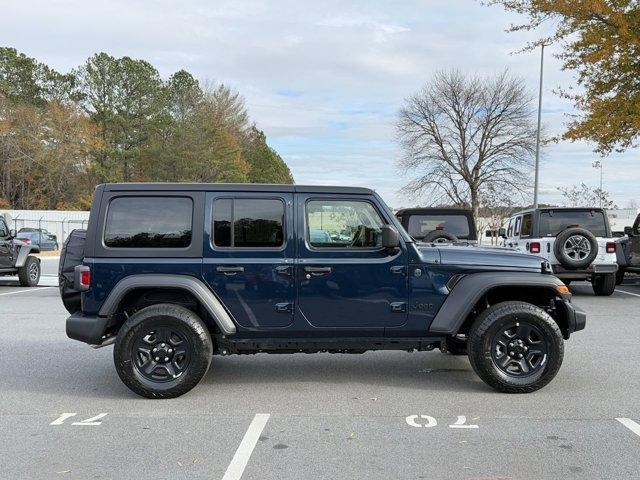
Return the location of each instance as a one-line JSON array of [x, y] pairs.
[[175, 273], [15, 258]]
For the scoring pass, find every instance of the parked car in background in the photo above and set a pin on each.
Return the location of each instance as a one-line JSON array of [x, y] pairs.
[[44, 231], [577, 242], [439, 225], [43, 241], [16, 256], [632, 247]]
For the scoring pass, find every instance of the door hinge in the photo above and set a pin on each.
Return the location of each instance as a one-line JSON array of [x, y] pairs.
[[398, 307], [398, 269], [284, 307], [284, 269]]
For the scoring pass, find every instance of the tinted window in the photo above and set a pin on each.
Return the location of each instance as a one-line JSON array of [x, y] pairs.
[[149, 222], [343, 224], [527, 225], [517, 227], [248, 223], [510, 229], [421, 225], [4, 231], [553, 222]]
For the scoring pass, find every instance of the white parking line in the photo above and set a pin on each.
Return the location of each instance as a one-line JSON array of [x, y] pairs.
[[241, 458], [36, 289], [630, 424], [628, 293]]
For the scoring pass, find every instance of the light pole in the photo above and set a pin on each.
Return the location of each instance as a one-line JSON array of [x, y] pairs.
[[535, 185], [598, 164]]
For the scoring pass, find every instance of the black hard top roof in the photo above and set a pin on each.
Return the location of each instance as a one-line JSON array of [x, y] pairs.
[[558, 209], [433, 210], [232, 187]]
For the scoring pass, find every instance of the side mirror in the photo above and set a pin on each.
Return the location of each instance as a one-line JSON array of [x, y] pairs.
[[390, 237], [12, 233], [628, 231], [502, 233]]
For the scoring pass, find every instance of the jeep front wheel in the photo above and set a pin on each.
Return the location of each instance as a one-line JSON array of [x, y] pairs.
[[515, 347], [163, 351], [29, 273]]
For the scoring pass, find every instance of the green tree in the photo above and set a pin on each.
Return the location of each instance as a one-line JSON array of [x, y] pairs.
[[601, 42], [126, 98], [266, 165]]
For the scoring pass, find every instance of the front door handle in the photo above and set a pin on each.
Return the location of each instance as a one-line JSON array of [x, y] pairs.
[[317, 270], [229, 270]]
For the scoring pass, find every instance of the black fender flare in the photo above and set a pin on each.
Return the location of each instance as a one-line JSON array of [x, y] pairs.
[[184, 282], [470, 289]]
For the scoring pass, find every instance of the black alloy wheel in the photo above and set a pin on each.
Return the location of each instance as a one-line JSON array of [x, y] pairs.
[[519, 349]]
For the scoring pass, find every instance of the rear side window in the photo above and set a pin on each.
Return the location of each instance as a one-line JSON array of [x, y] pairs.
[[248, 223], [517, 227], [149, 222], [527, 225], [510, 228]]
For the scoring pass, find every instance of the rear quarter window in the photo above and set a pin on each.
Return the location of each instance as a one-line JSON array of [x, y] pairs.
[[149, 222]]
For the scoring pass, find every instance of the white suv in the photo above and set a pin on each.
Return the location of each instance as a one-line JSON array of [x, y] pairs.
[[577, 242]]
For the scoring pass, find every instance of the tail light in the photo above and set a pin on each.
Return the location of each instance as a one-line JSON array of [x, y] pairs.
[[25, 240], [611, 247], [82, 278], [534, 247]]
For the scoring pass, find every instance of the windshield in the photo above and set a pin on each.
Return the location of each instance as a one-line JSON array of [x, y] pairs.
[[421, 225], [553, 222]]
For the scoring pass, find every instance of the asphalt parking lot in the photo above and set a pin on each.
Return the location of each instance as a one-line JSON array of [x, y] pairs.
[[65, 414]]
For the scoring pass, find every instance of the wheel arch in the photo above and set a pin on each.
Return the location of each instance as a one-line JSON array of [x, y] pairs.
[[474, 293], [135, 289], [23, 253]]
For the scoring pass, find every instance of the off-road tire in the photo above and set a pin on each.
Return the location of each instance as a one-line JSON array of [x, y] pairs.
[[564, 259], [29, 273], [163, 316], [490, 322], [604, 285], [439, 236], [620, 275]]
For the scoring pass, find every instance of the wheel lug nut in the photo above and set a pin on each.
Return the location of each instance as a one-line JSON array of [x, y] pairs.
[[162, 345], [166, 359], [157, 359], [511, 353]]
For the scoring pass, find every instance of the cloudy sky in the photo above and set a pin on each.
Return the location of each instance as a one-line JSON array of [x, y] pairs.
[[324, 80]]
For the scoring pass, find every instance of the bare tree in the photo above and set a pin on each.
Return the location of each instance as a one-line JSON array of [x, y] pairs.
[[584, 196], [464, 135]]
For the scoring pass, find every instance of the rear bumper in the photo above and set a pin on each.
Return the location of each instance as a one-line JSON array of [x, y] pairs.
[[561, 272], [86, 329]]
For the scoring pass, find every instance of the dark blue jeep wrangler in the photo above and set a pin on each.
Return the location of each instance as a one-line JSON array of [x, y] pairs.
[[175, 273]]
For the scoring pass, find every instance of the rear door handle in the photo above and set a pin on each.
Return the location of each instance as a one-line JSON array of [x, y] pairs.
[[229, 270], [317, 270]]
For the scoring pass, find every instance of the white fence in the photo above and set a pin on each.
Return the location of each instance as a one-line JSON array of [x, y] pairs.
[[59, 223]]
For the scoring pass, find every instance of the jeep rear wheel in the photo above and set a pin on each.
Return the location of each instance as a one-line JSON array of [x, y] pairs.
[[604, 285], [29, 273], [515, 347], [163, 351]]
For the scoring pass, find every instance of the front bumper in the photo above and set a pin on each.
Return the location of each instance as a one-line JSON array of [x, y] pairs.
[[576, 317], [87, 329]]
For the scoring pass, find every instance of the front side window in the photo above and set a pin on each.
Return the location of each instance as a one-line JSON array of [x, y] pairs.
[[510, 229], [149, 222], [343, 224], [4, 231], [248, 223]]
